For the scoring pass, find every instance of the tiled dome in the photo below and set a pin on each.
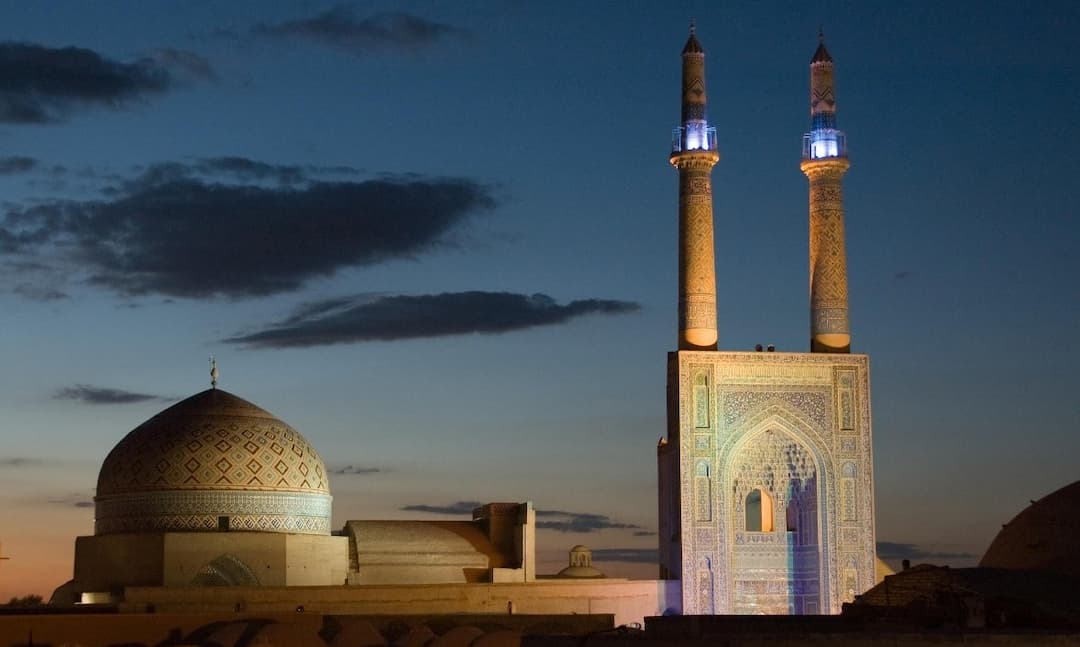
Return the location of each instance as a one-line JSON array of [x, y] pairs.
[[213, 461]]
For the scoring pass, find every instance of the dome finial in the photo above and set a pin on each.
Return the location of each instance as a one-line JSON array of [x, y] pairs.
[[693, 27], [213, 372], [820, 34]]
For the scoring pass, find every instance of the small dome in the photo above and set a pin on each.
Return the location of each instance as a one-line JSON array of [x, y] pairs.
[[213, 462], [1043, 537], [581, 565]]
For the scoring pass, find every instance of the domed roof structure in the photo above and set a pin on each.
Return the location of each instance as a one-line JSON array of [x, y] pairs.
[[1043, 537], [213, 462], [581, 565]]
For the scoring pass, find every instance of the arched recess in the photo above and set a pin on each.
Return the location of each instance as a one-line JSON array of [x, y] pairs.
[[225, 570], [804, 477]]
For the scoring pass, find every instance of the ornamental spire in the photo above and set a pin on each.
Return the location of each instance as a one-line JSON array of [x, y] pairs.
[[213, 372]]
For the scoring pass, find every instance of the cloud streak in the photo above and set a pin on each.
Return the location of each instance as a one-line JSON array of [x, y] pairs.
[[40, 85], [397, 317], [73, 500], [579, 522], [20, 461], [172, 232], [557, 520], [360, 471], [635, 555], [88, 394], [460, 507], [339, 27]]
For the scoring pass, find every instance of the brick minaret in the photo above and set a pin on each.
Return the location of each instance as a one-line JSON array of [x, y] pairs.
[[824, 163], [694, 153]]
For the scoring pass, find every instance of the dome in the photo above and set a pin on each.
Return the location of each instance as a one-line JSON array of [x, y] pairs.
[[1043, 537], [213, 462], [581, 565]]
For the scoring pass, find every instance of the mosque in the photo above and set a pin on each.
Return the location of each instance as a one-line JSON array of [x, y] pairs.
[[765, 475], [766, 498]]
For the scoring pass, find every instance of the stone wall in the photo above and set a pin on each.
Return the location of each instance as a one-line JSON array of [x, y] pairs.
[[628, 601]]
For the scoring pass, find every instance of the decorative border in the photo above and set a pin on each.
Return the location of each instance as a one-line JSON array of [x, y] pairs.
[[199, 511]]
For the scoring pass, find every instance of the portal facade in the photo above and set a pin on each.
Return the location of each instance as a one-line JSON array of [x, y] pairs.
[[766, 481]]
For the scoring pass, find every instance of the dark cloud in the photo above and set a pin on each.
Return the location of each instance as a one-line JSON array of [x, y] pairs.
[[167, 232], [185, 62], [584, 522], [242, 168], [386, 318], [74, 500], [461, 507], [100, 395], [17, 164], [393, 31], [900, 276], [644, 533], [350, 469], [20, 461], [635, 555], [895, 550], [41, 84]]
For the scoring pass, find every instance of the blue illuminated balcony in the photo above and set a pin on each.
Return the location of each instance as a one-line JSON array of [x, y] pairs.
[[824, 143], [693, 138]]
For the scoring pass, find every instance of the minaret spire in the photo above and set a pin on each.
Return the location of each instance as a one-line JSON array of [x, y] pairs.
[[824, 162], [693, 153]]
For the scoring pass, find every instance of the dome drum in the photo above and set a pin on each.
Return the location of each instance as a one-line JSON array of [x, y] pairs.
[[187, 511]]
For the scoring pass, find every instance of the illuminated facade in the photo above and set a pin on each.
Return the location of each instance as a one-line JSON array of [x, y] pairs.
[[766, 501]]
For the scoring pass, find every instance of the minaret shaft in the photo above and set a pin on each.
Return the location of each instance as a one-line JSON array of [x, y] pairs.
[[694, 155], [697, 261], [824, 163], [830, 330]]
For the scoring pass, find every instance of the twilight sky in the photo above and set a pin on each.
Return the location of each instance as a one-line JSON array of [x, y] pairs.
[[439, 240]]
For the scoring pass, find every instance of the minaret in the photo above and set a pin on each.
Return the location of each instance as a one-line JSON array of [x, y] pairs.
[[693, 152], [824, 163]]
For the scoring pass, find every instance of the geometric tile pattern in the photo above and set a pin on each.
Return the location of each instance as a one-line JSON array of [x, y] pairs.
[[213, 440], [828, 259], [195, 510], [208, 456]]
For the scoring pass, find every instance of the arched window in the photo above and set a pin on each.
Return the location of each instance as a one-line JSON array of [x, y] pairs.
[[792, 515], [759, 512]]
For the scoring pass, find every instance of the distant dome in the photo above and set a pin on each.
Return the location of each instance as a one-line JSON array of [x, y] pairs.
[[1043, 537], [581, 565], [213, 462]]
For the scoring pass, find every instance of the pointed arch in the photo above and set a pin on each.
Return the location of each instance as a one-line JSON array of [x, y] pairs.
[[804, 477], [225, 570]]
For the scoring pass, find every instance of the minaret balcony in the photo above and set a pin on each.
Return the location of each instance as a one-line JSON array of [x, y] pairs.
[[693, 137], [824, 144]]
